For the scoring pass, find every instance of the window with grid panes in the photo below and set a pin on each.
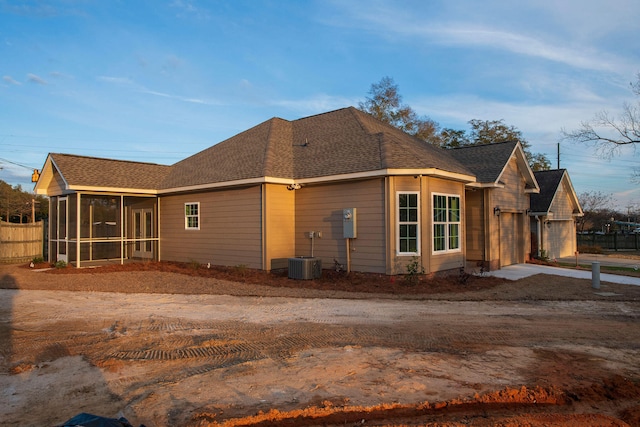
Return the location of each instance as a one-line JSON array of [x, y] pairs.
[[446, 223], [192, 216], [408, 223]]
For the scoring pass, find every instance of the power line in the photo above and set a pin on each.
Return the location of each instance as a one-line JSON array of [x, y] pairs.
[[17, 164]]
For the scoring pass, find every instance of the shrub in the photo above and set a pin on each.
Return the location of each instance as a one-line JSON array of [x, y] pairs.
[[37, 260], [414, 271], [543, 256], [60, 264], [589, 249], [193, 264]]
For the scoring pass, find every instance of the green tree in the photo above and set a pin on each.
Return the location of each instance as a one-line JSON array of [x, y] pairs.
[[607, 134], [385, 104], [452, 138], [16, 205], [492, 131]]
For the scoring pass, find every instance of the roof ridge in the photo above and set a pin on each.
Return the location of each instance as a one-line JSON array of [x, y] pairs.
[[322, 114], [379, 136], [271, 145], [484, 145], [107, 159]]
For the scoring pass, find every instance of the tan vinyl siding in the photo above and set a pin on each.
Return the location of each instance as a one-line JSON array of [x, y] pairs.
[[474, 215], [453, 260], [508, 233], [279, 232], [560, 234], [426, 186], [319, 208], [562, 207], [56, 187], [230, 228], [512, 197]]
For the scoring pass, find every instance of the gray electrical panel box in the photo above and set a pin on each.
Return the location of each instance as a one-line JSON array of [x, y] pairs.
[[349, 230]]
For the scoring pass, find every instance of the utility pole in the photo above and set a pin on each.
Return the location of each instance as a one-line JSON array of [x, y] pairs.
[[558, 156]]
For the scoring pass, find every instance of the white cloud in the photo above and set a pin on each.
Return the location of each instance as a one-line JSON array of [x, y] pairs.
[[533, 30], [32, 78], [319, 103], [116, 80], [11, 80], [136, 87], [188, 8]]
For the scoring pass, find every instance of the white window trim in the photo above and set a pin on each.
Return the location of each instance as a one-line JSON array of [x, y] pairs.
[[186, 217], [417, 223], [446, 228]]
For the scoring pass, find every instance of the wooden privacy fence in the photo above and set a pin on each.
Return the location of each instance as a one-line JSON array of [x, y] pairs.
[[20, 242]]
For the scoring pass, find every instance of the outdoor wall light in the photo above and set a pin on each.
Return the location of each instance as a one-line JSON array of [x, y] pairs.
[[291, 187], [496, 211]]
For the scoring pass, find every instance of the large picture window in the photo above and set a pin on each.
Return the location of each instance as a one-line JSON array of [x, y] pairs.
[[446, 223], [192, 216], [408, 224]]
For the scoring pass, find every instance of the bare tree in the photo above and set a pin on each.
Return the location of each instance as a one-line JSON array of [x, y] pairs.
[[608, 133], [595, 205]]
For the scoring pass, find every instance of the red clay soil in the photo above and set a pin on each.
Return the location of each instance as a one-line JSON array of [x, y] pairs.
[[611, 402], [330, 280], [532, 407]]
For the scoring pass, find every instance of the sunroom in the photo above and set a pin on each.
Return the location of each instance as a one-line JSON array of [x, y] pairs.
[[88, 229], [98, 218]]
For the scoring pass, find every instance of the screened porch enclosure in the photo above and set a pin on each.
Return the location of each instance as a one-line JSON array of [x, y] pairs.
[[89, 229]]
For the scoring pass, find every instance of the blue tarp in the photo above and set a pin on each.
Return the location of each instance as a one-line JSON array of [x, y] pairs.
[[89, 420]]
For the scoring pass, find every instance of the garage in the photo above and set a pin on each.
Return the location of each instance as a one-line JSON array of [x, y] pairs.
[[511, 239]]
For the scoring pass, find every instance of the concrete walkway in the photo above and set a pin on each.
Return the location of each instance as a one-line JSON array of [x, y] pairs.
[[519, 271]]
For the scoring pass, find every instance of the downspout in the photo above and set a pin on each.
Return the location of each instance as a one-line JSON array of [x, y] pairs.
[[539, 234], [122, 229], [422, 198], [78, 229], [263, 224], [158, 224], [389, 253]]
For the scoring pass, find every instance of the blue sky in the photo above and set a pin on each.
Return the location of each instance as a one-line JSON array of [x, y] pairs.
[[158, 81]]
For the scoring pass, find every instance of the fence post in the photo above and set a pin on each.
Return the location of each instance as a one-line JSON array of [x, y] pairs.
[[595, 275]]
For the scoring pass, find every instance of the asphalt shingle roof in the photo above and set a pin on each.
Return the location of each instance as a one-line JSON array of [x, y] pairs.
[[338, 142], [109, 173], [485, 161], [343, 141], [548, 181]]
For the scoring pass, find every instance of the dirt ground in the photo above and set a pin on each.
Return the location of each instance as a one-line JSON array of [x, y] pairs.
[[182, 345]]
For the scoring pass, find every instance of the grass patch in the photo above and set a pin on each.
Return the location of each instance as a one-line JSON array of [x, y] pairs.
[[602, 267]]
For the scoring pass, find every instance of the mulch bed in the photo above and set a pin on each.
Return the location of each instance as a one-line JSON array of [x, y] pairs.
[[330, 280]]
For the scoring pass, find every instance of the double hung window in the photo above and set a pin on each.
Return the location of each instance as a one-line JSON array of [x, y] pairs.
[[446, 223], [408, 224], [192, 216]]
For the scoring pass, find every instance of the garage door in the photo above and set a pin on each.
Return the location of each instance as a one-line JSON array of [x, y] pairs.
[[561, 240], [510, 238]]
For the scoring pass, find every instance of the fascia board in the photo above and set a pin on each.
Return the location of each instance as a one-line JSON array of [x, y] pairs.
[[518, 152], [486, 185], [331, 178], [117, 190]]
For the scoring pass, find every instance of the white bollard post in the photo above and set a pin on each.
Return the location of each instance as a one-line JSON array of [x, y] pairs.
[[595, 275]]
